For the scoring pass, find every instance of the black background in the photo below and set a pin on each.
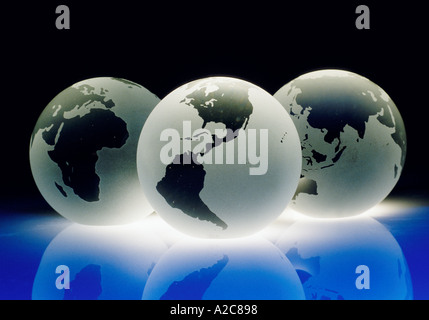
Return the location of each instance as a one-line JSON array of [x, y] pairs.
[[164, 44]]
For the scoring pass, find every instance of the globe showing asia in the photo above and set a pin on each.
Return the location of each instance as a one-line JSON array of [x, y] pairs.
[[219, 157], [83, 151], [353, 142]]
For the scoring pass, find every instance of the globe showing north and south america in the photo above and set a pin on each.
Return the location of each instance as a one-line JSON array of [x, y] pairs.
[[219, 157], [83, 151]]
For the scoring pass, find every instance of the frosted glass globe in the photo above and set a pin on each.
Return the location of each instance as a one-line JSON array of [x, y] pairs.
[[219, 157], [83, 151], [353, 142]]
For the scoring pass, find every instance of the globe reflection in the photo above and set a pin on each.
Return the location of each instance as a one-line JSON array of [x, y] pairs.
[[352, 258], [246, 268], [109, 262]]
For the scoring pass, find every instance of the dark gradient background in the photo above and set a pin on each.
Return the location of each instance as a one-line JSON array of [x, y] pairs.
[[165, 44]]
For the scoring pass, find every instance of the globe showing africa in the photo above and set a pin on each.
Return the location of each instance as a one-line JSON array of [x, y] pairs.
[[353, 142], [219, 157], [83, 151]]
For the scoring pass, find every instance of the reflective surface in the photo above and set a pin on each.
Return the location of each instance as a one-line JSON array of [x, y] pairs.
[[347, 259], [379, 255], [103, 262], [246, 268]]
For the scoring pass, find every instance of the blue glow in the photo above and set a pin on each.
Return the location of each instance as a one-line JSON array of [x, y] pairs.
[[149, 260]]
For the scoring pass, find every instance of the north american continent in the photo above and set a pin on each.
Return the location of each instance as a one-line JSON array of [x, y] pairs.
[[225, 105], [181, 187]]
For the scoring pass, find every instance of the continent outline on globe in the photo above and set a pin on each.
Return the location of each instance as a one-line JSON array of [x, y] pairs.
[[74, 155], [215, 137], [211, 107], [83, 150], [332, 129], [344, 121]]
